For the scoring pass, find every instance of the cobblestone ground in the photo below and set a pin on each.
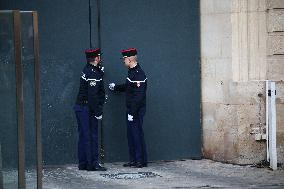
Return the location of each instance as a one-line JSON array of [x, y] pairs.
[[176, 174]]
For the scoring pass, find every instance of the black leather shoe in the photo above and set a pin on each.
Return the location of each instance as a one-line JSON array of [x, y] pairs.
[[82, 168], [90, 169], [139, 165], [129, 164], [99, 168], [96, 168]]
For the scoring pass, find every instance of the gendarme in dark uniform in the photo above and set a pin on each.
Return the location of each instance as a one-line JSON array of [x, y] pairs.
[[135, 88], [88, 110]]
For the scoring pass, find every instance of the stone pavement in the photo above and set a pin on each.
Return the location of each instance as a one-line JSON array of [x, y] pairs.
[[160, 175]]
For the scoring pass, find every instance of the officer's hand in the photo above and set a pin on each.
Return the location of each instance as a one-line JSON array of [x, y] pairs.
[[111, 86], [130, 117], [103, 69], [99, 117]]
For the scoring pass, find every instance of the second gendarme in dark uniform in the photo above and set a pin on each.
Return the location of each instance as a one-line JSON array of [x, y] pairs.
[[88, 110], [135, 88]]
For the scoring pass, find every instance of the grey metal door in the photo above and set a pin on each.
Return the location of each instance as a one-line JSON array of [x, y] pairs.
[[166, 33], [167, 36]]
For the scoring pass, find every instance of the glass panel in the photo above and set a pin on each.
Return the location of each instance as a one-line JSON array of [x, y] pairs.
[[8, 113], [29, 98]]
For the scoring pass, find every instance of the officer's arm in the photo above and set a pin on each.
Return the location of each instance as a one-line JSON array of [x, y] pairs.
[[90, 91], [101, 99], [101, 94], [83, 86], [120, 88], [93, 100]]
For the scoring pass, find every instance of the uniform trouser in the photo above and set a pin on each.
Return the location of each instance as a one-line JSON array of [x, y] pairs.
[[135, 136], [88, 137]]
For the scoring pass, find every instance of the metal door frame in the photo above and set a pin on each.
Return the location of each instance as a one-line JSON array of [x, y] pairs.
[[20, 99], [37, 100]]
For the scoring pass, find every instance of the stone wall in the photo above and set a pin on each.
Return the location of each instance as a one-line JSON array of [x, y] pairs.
[[241, 47]]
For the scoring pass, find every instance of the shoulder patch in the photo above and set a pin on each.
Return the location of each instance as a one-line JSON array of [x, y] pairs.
[[84, 77], [93, 83]]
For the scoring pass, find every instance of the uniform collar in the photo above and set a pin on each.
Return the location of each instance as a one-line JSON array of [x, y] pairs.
[[93, 66], [134, 68]]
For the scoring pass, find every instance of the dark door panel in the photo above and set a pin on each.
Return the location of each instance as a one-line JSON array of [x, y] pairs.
[[166, 34]]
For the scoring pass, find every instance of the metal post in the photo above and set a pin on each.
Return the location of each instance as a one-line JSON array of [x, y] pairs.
[[99, 22], [19, 98], [90, 23], [37, 100], [102, 151], [272, 129]]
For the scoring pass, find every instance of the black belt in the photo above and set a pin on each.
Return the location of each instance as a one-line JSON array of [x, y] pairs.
[[82, 102]]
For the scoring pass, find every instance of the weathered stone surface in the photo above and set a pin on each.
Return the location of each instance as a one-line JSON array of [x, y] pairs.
[[215, 73], [215, 30], [228, 133], [276, 20], [275, 44], [272, 4], [226, 115], [209, 121], [280, 131], [248, 5], [222, 145], [238, 55], [211, 7], [250, 151], [248, 45], [211, 92], [280, 93], [247, 92], [275, 68]]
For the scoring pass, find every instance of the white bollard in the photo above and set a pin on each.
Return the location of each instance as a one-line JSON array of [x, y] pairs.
[[271, 124], [272, 128]]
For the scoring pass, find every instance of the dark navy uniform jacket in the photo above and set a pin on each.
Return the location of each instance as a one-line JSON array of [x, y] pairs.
[[135, 88], [91, 91]]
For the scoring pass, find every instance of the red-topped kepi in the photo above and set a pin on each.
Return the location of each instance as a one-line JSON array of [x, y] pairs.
[[92, 53], [129, 52]]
